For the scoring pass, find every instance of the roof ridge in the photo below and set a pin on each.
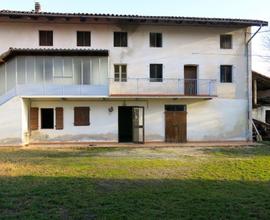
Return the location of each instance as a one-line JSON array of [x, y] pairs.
[[164, 18], [123, 15]]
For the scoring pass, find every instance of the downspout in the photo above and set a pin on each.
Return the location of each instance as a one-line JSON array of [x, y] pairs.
[[249, 82]]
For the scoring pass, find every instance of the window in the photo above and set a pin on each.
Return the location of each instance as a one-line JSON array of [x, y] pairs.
[[226, 73], [120, 73], [226, 41], [156, 72], [175, 108], [81, 116], [83, 38], [120, 39], [47, 118], [155, 39], [45, 38]]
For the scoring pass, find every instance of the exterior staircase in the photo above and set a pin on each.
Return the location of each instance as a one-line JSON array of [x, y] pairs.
[[261, 130]]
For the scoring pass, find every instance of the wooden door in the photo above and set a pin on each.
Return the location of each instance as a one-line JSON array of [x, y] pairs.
[[175, 126], [190, 75], [33, 119]]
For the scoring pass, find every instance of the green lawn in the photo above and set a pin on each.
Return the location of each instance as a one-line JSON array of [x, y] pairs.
[[125, 183]]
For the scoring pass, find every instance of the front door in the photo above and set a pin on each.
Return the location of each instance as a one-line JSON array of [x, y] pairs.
[[175, 123], [190, 75], [131, 124]]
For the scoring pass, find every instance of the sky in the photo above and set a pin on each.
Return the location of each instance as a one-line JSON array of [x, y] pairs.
[[245, 9]]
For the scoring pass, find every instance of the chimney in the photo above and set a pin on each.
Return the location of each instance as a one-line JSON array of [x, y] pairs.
[[37, 7]]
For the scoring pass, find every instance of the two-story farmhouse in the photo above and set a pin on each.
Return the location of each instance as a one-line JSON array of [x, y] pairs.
[[123, 78]]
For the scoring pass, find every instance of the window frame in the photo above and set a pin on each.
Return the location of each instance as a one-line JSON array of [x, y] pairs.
[[225, 78], [45, 42], [120, 73], [223, 45], [123, 39], [78, 111], [175, 108], [156, 79], [84, 42], [154, 36]]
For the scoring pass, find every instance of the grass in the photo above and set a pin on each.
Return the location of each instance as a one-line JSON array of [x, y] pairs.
[[125, 183]]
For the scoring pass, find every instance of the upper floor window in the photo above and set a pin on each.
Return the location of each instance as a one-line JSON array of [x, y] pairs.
[[155, 39], [120, 73], [45, 38], [156, 72], [120, 39], [83, 38], [226, 73], [226, 41]]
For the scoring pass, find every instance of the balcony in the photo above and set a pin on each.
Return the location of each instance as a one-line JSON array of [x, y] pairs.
[[164, 87]]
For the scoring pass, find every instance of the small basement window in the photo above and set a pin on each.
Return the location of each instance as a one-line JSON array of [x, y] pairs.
[[47, 118], [226, 41]]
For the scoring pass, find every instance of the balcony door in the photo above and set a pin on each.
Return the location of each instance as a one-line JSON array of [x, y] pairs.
[[190, 80]]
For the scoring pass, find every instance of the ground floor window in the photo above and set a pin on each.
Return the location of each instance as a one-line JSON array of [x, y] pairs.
[[47, 118], [81, 116]]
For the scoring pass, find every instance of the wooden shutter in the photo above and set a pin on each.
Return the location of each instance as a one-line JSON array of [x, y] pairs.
[[50, 38], [33, 119], [59, 114], [81, 116]]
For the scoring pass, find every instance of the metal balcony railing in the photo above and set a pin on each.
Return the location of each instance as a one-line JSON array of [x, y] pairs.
[[165, 86]]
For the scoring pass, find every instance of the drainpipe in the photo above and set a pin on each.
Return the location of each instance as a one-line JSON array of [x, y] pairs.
[[249, 82]]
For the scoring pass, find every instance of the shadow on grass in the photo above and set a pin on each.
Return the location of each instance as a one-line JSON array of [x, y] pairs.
[[30, 197], [246, 151]]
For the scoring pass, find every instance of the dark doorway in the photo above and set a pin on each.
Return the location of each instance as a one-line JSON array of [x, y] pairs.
[[190, 75], [125, 126], [131, 124], [47, 118], [267, 116]]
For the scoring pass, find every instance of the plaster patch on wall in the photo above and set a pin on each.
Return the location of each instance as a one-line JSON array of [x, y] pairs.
[[236, 133], [39, 137], [154, 137], [6, 141]]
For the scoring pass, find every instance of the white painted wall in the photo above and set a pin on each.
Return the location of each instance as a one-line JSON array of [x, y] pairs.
[[209, 120], [11, 122], [181, 45]]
